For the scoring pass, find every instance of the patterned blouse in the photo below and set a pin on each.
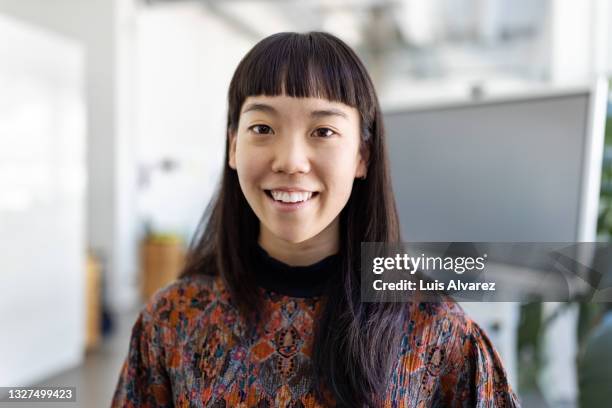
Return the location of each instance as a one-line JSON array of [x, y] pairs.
[[187, 349]]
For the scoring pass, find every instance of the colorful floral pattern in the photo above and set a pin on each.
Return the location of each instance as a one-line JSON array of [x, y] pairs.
[[189, 348]]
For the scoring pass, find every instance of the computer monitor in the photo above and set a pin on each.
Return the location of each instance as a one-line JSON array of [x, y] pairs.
[[522, 168]]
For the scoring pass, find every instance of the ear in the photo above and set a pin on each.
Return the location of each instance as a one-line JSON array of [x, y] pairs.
[[364, 159], [232, 149]]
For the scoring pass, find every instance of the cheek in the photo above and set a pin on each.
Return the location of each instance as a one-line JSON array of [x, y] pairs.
[[250, 176], [250, 167], [339, 174]]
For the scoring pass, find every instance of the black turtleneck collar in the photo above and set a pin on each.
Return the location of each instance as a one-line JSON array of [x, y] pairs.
[[295, 281]]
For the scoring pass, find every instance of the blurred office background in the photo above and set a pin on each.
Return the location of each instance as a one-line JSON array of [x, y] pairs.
[[112, 116]]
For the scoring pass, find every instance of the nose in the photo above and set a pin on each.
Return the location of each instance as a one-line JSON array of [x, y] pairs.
[[291, 155]]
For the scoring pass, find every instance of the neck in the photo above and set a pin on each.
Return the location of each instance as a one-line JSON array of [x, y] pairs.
[[302, 253]]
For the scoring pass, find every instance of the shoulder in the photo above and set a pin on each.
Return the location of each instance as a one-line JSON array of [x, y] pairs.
[[444, 346], [445, 326], [441, 320], [186, 297], [447, 337]]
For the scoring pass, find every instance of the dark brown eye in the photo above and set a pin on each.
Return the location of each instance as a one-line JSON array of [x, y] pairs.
[[324, 132], [261, 129]]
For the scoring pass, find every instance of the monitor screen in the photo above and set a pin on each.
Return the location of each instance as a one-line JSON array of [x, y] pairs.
[[490, 172]]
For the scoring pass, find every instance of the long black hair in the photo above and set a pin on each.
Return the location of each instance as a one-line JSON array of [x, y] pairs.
[[355, 343]]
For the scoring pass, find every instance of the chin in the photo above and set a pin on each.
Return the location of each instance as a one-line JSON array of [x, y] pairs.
[[292, 236]]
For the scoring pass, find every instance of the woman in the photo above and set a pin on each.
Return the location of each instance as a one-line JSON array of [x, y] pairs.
[[267, 312]]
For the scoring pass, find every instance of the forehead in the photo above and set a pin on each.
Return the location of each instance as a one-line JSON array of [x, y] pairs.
[[288, 104]]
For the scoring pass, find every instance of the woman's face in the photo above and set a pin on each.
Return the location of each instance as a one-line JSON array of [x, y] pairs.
[[296, 160]]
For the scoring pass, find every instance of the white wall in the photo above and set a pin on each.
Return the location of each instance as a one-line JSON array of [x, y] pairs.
[[577, 39], [186, 57], [42, 203], [101, 27]]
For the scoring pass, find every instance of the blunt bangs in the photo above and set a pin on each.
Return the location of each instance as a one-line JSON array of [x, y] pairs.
[[313, 64]]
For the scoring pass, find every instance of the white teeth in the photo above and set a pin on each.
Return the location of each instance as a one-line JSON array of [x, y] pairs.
[[292, 197]]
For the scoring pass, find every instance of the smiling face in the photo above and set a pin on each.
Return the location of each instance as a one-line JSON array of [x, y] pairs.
[[296, 160]]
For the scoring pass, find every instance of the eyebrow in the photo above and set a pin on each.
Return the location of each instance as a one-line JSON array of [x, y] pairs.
[[328, 112], [262, 107]]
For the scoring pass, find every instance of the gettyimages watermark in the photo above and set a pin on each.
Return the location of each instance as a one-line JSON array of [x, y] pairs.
[[486, 271]]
